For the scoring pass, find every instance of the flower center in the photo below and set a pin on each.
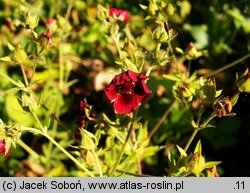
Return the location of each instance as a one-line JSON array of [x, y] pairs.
[[125, 88]]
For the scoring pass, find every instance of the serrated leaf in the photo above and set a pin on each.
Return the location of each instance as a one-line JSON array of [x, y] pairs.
[[182, 152]]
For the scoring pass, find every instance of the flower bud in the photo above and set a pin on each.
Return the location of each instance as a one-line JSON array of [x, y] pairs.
[[120, 14], [160, 33], [184, 92], [152, 7], [170, 9], [50, 21], [101, 12], [31, 21], [192, 52], [46, 38], [222, 107], [243, 82], [207, 92]]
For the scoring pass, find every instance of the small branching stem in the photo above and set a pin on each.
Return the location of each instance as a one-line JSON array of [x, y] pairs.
[[124, 144]]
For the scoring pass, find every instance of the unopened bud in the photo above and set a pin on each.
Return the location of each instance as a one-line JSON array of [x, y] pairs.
[[160, 33], [207, 92], [31, 21], [223, 107], [170, 9], [243, 82], [152, 7]]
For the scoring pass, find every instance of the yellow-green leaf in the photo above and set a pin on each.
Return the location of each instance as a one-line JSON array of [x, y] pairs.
[[5, 59], [182, 152], [212, 164], [198, 148]]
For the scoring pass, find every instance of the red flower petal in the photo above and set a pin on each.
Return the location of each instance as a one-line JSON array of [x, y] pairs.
[[133, 75], [126, 16], [110, 91], [125, 104], [49, 21], [2, 146], [122, 78], [128, 90], [113, 12]]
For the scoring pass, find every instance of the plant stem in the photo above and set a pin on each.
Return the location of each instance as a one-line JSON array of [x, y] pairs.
[[195, 131], [204, 124], [118, 47], [201, 110], [61, 70], [138, 159], [24, 75], [68, 154], [163, 118], [124, 144], [71, 3], [200, 127], [227, 66], [53, 133], [169, 43], [97, 162], [133, 174], [39, 122], [28, 149]]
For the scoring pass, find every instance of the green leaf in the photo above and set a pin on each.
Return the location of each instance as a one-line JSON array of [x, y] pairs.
[[89, 141], [143, 132], [182, 152], [198, 148], [179, 50], [10, 46], [218, 93], [171, 77], [150, 151], [211, 164], [16, 113], [144, 7], [5, 59], [19, 55], [199, 166]]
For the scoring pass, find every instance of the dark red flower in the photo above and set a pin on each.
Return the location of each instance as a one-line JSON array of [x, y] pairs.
[[116, 13], [84, 119], [127, 90], [3, 149], [10, 25], [46, 37]]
